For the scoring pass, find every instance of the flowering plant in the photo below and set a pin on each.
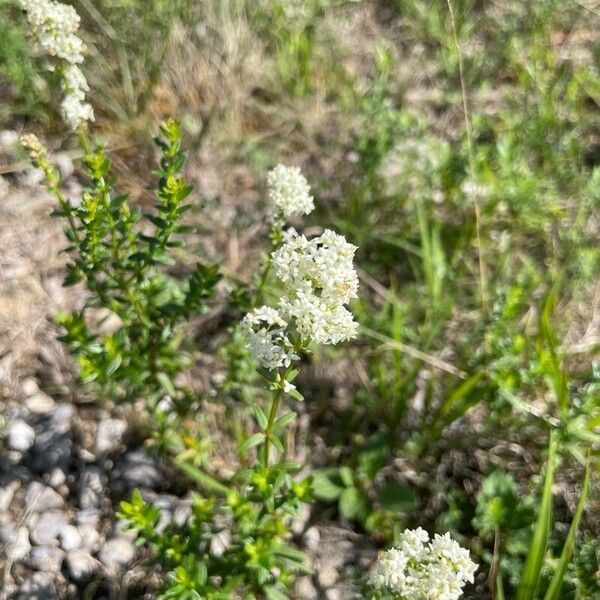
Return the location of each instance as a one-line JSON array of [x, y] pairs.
[[236, 540], [418, 568]]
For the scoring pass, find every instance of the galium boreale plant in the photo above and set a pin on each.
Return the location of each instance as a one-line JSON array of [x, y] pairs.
[[420, 568], [120, 261], [236, 542]]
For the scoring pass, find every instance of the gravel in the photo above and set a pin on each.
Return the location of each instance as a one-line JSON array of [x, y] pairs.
[[48, 527], [117, 553], [81, 565], [109, 435], [19, 547], [70, 538], [46, 558], [20, 436], [40, 498]]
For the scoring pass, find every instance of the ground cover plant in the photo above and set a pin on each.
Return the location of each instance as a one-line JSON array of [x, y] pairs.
[[375, 376]]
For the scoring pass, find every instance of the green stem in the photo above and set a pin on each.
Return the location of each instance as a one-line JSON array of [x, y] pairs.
[[262, 282], [272, 414]]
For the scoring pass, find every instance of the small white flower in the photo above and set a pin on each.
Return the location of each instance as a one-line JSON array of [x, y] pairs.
[[418, 570], [74, 108], [53, 27], [288, 192], [288, 387], [53, 31], [320, 279], [266, 338]]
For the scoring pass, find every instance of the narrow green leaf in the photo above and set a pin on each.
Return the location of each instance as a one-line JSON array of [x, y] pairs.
[[166, 383], [205, 480], [272, 593], [557, 375], [532, 570], [558, 578], [274, 439], [458, 395], [284, 420], [253, 440], [261, 417]]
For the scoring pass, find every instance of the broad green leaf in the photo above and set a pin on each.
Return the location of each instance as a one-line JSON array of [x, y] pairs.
[[327, 484], [352, 503], [398, 498], [346, 476]]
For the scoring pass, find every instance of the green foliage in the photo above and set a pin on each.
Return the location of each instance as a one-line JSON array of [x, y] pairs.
[[234, 543], [375, 507], [27, 93], [122, 265], [128, 43], [446, 381]]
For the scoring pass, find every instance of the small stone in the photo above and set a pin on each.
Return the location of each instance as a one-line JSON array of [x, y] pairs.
[[305, 589], [328, 576], [333, 594], [164, 502], [56, 478], [90, 538], [117, 553], [182, 513], [70, 538], [40, 498], [7, 529], [20, 436], [7, 491], [220, 542], [88, 516], [60, 418], [40, 586], [20, 546], [91, 488], [50, 450], [81, 565], [39, 403], [312, 539], [29, 387], [46, 558], [109, 434], [138, 469], [50, 523]]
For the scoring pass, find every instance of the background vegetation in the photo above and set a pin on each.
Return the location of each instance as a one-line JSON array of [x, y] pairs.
[[457, 145]]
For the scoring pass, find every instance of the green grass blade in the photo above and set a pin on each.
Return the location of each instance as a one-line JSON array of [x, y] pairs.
[[205, 480], [500, 588], [555, 587], [557, 373], [532, 570]]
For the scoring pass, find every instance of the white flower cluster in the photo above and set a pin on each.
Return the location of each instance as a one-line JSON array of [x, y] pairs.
[[420, 569], [266, 338], [288, 193], [53, 29], [319, 279], [74, 108]]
